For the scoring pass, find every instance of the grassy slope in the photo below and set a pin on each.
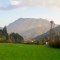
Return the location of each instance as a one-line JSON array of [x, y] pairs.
[[28, 52]]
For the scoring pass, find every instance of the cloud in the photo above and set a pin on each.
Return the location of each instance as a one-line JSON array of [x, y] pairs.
[[15, 2], [12, 5], [33, 3], [37, 2]]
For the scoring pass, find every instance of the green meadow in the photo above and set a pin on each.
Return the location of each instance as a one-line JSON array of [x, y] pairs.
[[28, 52]]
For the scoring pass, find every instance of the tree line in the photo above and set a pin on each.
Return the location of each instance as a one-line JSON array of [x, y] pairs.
[[10, 38]]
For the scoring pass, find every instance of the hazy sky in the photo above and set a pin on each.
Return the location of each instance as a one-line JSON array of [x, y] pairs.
[[11, 10]]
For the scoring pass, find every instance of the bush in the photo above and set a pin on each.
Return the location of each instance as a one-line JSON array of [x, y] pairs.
[[3, 39], [55, 42]]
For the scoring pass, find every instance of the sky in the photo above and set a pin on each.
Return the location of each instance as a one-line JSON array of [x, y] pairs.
[[11, 10]]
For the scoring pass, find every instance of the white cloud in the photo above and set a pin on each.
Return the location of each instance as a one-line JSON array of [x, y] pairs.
[[33, 3], [54, 3], [15, 2]]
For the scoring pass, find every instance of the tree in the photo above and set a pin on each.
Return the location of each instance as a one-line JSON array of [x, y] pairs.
[[54, 38], [15, 37], [5, 32], [1, 33], [2, 36], [52, 32]]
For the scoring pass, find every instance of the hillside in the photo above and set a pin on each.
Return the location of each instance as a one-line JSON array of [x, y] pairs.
[[29, 27]]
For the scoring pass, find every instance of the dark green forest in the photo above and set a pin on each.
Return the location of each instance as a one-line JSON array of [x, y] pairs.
[[9, 38]]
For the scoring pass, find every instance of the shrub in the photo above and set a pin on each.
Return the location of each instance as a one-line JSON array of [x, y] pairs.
[[55, 42]]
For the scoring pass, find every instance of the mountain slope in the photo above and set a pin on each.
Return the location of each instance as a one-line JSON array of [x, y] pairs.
[[29, 27]]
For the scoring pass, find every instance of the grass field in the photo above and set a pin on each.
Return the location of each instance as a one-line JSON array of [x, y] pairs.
[[28, 52]]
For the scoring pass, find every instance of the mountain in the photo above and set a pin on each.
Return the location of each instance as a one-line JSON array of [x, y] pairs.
[[0, 27], [56, 29], [29, 28]]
